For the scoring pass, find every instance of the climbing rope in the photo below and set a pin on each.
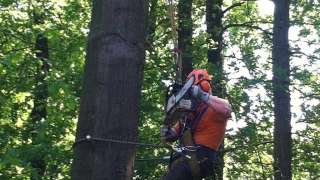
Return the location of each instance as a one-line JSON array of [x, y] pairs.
[[180, 150], [164, 159], [171, 14], [89, 138], [177, 58]]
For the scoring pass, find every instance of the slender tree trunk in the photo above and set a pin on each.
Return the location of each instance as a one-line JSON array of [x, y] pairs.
[[39, 111], [185, 35], [281, 98], [152, 21], [40, 93], [111, 92], [215, 45]]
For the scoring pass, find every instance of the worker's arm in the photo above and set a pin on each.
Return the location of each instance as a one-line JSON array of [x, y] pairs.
[[221, 106]]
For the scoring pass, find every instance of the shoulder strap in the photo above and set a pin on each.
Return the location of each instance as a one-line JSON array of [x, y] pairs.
[[192, 121], [200, 111]]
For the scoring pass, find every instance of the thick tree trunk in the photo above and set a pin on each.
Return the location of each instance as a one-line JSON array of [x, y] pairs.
[[281, 98], [185, 35], [111, 92], [215, 44]]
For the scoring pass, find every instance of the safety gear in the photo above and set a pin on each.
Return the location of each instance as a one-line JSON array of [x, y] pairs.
[[205, 86], [203, 128], [195, 167], [199, 94], [211, 129], [202, 78], [208, 125], [180, 166]]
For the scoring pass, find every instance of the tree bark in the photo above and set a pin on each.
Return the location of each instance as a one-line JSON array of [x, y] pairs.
[[215, 44], [111, 91], [281, 94], [185, 35]]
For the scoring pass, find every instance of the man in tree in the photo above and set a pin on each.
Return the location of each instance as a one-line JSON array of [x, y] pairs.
[[199, 134]]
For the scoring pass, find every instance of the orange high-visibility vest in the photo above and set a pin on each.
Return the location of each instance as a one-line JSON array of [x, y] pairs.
[[210, 128]]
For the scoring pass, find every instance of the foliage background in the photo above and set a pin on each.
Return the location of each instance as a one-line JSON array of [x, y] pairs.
[[247, 55]]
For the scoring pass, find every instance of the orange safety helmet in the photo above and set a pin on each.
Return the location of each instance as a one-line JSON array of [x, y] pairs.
[[202, 78]]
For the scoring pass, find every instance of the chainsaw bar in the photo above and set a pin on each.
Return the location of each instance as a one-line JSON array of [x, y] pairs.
[[174, 99], [176, 103]]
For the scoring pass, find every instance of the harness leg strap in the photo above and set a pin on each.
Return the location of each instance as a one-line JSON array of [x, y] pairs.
[[193, 161], [194, 165]]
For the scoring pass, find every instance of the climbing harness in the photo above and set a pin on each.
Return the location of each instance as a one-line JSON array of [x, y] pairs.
[[187, 140]]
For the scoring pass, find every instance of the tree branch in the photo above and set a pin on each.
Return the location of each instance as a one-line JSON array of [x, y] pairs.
[[248, 25], [304, 54], [16, 50], [231, 7], [226, 150], [236, 5]]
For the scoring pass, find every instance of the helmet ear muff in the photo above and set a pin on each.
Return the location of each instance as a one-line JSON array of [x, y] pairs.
[[205, 86]]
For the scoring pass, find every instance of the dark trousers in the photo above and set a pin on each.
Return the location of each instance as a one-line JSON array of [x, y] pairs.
[[180, 168]]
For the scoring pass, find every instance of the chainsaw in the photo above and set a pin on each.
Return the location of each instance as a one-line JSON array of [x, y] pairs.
[[180, 103]]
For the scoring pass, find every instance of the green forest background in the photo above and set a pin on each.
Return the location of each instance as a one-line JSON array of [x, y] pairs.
[[25, 80]]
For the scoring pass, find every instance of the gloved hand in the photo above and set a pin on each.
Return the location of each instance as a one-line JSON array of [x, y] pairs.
[[168, 134], [199, 94]]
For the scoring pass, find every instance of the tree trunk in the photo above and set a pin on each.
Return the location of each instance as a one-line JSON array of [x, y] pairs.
[[40, 93], [281, 94], [152, 21], [185, 35], [111, 92], [215, 45], [39, 110]]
